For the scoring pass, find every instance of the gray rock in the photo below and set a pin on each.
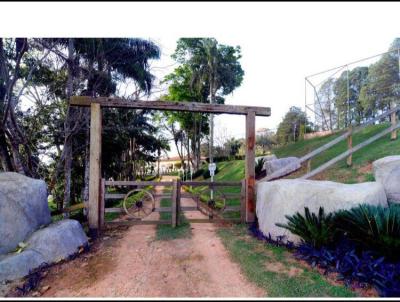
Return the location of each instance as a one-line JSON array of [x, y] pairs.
[[387, 171], [15, 266], [48, 245], [289, 163], [23, 208], [278, 198], [266, 158], [58, 240]]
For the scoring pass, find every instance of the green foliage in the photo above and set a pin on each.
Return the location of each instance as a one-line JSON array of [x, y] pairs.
[[359, 94], [259, 165], [198, 173], [232, 146], [317, 230], [373, 227], [289, 129]]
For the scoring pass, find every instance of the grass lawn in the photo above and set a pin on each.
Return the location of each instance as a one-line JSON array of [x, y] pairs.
[[360, 170], [274, 269]]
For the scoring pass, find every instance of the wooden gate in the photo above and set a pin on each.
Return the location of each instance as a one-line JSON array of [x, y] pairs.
[[96, 105], [232, 192]]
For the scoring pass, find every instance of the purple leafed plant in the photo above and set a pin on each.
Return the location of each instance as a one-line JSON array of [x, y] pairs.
[[347, 259]]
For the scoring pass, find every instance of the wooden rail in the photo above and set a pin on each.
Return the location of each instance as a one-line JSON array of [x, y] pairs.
[[350, 151], [72, 208], [211, 184], [137, 183]]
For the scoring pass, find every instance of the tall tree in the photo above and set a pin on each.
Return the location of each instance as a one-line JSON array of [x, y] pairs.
[[213, 68], [289, 129]]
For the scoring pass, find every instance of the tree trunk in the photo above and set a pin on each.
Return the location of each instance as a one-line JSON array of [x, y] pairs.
[[211, 122], [67, 129], [85, 192], [4, 155], [18, 165]]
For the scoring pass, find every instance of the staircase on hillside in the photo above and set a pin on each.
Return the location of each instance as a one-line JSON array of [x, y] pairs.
[[289, 169]]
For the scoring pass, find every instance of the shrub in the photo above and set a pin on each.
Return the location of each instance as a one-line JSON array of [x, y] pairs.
[[259, 165], [364, 267], [315, 230], [373, 227], [198, 173]]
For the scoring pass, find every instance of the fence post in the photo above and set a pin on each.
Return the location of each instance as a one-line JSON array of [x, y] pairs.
[[173, 203], [178, 201], [249, 166], [393, 119], [349, 160], [308, 165], [94, 168], [102, 203], [243, 201]]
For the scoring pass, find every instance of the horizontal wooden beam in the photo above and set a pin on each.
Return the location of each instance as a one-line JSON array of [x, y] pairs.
[[137, 222], [211, 184], [137, 183], [168, 105], [114, 210], [205, 220]]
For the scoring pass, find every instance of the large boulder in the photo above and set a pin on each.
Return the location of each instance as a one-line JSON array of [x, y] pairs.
[[23, 208], [58, 240], [278, 198], [387, 171], [48, 245], [290, 164]]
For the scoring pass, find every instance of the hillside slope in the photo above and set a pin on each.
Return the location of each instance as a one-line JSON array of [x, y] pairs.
[[362, 159]]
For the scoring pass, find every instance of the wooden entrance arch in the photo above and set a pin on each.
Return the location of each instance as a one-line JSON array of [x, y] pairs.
[[96, 104]]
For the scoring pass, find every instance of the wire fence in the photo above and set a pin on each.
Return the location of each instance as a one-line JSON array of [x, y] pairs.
[[353, 93]]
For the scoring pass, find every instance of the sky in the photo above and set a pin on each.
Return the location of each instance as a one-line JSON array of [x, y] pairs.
[[281, 42]]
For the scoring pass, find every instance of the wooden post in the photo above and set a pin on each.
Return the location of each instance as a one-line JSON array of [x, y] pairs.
[[349, 160], [393, 120], [250, 166], [243, 202], [102, 203], [178, 201], [94, 168], [308, 162], [173, 203]]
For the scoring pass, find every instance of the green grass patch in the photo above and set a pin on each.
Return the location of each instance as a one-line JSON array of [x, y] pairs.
[[166, 231], [274, 269]]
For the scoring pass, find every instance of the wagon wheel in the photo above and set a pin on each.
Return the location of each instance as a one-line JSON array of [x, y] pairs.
[[139, 203], [218, 204]]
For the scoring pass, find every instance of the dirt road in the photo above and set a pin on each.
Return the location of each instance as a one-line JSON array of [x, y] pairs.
[[132, 263]]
